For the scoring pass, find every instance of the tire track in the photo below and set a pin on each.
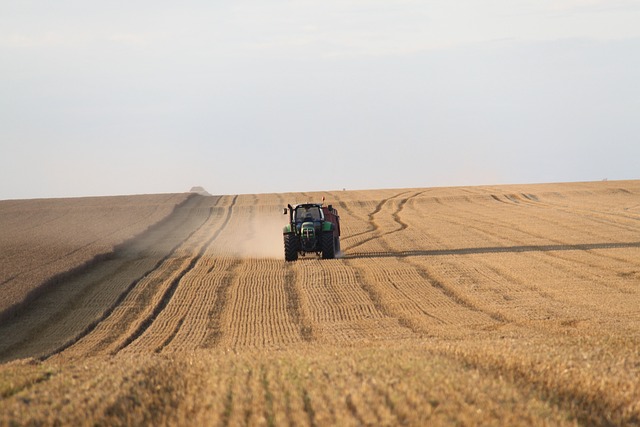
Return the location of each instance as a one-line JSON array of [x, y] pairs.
[[56, 259], [596, 216], [123, 317], [454, 276], [375, 227], [344, 207], [258, 312], [215, 329], [379, 300], [431, 310], [294, 305], [456, 296], [446, 290], [168, 293], [520, 289], [508, 228], [550, 257], [63, 316], [340, 310], [171, 336]]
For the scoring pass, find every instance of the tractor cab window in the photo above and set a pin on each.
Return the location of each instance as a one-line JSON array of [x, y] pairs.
[[311, 213]]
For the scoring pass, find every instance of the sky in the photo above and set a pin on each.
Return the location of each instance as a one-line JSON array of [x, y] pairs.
[[248, 96]]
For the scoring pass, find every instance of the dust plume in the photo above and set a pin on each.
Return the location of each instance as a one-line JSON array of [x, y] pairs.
[[261, 236]]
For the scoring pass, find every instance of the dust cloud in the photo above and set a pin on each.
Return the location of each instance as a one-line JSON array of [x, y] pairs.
[[254, 232], [261, 236]]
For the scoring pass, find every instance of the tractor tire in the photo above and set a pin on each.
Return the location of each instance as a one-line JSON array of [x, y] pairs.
[[290, 247], [328, 245]]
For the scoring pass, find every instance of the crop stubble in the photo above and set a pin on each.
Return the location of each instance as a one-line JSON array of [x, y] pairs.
[[504, 304]]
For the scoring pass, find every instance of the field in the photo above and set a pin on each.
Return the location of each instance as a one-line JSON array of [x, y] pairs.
[[493, 305]]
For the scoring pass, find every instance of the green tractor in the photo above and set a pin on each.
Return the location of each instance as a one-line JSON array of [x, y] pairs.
[[312, 228]]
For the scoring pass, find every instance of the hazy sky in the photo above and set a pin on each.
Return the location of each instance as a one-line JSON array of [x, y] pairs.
[[125, 97]]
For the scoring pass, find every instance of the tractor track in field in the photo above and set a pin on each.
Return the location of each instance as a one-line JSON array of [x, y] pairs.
[[49, 334], [379, 300], [133, 285], [374, 226], [258, 312], [597, 216], [171, 336], [150, 298], [294, 305], [520, 288], [76, 266], [551, 257], [530, 200], [171, 289], [490, 229], [55, 262], [448, 291], [344, 206], [215, 329], [455, 295]]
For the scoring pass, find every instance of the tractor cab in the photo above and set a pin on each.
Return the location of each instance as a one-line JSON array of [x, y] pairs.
[[307, 213]]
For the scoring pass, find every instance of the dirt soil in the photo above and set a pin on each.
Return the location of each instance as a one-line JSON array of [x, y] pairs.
[[493, 305]]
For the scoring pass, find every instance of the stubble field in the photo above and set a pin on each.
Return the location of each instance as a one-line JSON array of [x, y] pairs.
[[485, 305]]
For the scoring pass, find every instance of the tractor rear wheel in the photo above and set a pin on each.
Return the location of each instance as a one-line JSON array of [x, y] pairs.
[[290, 247], [328, 245]]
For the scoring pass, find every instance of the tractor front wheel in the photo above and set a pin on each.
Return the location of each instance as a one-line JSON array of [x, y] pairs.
[[290, 247], [328, 245]]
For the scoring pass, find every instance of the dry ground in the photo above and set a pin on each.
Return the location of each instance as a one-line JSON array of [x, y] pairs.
[[473, 305], [43, 240]]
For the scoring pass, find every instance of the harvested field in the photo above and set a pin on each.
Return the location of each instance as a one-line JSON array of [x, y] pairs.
[[42, 241], [496, 305]]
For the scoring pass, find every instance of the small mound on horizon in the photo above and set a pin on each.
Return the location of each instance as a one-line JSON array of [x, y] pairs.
[[199, 190]]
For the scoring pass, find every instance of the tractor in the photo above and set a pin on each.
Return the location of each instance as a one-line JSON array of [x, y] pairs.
[[312, 228]]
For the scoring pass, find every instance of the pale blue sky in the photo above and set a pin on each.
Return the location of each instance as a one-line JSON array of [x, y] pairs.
[[127, 97]]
